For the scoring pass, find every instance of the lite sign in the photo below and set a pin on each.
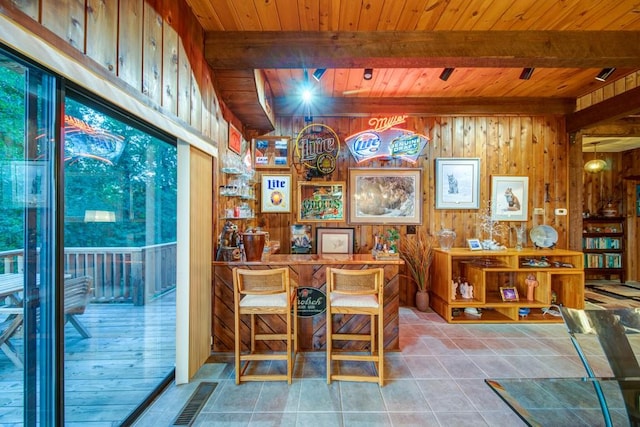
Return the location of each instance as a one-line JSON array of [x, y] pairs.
[[386, 142], [317, 147]]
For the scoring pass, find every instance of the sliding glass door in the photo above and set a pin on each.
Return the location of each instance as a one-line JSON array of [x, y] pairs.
[[87, 254]]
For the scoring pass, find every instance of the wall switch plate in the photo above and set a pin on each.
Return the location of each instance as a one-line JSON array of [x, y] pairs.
[[538, 211], [561, 211]]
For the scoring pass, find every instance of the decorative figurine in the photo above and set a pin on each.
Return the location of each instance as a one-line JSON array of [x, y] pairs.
[[454, 289], [531, 283]]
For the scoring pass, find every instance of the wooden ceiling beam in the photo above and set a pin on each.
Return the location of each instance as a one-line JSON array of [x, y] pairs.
[[614, 108], [286, 106], [422, 49], [627, 127]]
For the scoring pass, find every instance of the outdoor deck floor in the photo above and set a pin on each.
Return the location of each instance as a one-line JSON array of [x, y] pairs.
[[130, 351]]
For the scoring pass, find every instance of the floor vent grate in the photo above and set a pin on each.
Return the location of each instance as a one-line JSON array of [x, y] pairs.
[[195, 403]]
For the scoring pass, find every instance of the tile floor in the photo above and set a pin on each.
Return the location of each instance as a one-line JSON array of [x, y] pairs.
[[437, 379]]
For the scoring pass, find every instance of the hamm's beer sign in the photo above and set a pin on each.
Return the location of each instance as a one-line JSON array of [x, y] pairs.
[[385, 141]]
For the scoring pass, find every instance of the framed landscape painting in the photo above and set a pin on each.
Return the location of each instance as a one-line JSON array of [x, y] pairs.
[[385, 196]]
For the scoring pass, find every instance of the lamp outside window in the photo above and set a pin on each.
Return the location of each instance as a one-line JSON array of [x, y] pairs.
[[595, 165]]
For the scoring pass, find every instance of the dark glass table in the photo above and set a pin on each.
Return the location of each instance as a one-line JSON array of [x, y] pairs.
[[572, 401]]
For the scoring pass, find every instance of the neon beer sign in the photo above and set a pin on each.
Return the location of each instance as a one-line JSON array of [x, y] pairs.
[[385, 141]]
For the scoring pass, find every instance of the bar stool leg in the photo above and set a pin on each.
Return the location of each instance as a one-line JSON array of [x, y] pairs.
[[236, 323], [329, 328], [380, 348]]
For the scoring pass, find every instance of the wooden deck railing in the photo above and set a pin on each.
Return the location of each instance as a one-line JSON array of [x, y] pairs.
[[119, 274]]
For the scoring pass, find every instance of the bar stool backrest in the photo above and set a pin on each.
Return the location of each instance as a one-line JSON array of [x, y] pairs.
[[354, 282], [262, 282]]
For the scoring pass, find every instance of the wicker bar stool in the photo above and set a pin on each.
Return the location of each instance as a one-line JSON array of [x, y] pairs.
[[356, 292], [265, 293]]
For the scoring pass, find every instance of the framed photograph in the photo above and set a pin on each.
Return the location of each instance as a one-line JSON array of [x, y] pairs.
[[272, 152], [235, 140], [321, 201], [334, 240], [474, 244], [509, 293], [276, 193], [509, 197], [301, 241], [385, 196], [457, 183]]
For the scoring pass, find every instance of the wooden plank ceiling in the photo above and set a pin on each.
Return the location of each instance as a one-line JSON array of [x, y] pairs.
[[408, 43]]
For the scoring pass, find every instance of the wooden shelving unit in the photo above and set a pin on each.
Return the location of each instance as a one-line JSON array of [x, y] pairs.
[[559, 273], [603, 244]]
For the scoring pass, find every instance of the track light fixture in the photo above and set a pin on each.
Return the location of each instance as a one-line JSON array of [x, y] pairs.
[[446, 73], [526, 73], [318, 73], [368, 74], [604, 74]]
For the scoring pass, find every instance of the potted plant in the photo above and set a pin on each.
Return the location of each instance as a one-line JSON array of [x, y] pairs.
[[417, 255]]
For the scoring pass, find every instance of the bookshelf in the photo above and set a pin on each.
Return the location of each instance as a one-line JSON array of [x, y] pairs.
[[603, 245]]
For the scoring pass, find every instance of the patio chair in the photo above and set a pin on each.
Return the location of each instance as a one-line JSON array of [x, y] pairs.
[[77, 294], [8, 329]]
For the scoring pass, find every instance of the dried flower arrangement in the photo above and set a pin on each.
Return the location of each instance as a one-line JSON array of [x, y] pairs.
[[417, 254]]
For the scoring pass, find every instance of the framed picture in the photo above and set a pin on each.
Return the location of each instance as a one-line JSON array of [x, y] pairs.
[[385, 196], [474, 244], [276, 193], [334, 240], [509, 293], [457, 183], [272, 152], [235, 140], [509, 197], [321, 201], [301, 239]]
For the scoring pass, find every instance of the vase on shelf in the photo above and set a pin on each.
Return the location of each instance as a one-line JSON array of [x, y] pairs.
[[447, 238], [610, 210]]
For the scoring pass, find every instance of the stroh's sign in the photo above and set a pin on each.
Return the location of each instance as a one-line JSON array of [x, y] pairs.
[[384, 140]]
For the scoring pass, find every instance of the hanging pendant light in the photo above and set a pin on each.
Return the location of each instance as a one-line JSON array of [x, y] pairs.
[[595, 165]]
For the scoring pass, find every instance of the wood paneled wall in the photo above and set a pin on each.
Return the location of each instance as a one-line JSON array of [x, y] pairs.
[[527, 146], [155, 47]]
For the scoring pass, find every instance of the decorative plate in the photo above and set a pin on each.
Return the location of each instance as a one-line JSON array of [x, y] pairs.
[[544, 236]]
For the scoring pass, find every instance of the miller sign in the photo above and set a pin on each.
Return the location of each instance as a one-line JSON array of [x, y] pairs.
[[385, 141]]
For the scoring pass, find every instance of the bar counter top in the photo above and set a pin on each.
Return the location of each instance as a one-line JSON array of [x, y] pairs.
[[301, 259]]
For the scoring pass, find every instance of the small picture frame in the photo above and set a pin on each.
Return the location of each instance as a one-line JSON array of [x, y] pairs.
[[474, 244], [235, 140], [509, 293], [272, 152], [334, 240], [509, 197]]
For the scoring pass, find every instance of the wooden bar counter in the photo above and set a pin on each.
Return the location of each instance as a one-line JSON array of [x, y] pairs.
[[307, 271]]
